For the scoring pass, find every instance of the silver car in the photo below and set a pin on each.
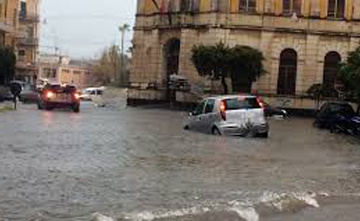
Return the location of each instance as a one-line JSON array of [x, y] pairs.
[[229, 115]]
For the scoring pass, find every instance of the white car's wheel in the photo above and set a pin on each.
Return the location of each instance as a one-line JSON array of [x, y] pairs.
[[216, 131]]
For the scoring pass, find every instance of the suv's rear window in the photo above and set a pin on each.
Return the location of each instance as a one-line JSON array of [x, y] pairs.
[[52, 86], [246, 103], [342, 109]]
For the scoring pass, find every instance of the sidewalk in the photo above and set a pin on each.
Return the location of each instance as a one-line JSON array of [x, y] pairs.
[[6, 106]]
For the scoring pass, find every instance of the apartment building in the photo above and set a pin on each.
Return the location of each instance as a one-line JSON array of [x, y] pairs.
[[19, 29], [27, 41], [63, 70]]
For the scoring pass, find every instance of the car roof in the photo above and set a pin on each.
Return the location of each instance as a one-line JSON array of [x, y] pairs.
[[233, 96]]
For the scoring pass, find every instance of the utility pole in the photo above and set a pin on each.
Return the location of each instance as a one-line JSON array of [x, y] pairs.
[[124, 28]]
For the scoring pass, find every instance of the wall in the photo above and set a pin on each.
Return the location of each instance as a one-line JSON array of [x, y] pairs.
[[309, 35]]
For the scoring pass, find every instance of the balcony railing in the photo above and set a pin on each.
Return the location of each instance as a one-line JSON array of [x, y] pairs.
[[29, 17], [28, 41], [6, 25]]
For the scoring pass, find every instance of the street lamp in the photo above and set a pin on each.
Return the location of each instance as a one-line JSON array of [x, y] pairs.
[[124, 28]]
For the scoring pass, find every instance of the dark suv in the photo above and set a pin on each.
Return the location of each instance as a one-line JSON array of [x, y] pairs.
[[333, 113], [55, 96]]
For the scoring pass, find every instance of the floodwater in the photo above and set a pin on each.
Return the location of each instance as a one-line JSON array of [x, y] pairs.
[[138, 164]]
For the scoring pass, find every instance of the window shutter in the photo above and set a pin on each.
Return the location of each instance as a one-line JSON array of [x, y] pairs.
[[278, 7], [348, 9], [260, 6], [306, 8], [323, 8], [234, 5], [205, 5]]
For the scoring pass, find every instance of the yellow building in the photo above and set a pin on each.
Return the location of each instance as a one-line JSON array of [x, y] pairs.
[[8, 22], [63, 70], [27, 41], [302, 41], [19, 28]]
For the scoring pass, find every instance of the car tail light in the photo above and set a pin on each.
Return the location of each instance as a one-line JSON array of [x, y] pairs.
[[223, 110], [261, 103], [50, 94], [77, 96]]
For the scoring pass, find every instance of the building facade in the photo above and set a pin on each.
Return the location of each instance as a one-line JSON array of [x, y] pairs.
[[19, 29], [27, 41], [61, 69], [302, 41]]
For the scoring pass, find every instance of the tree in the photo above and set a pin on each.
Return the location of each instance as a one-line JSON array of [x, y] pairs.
[[242, 63], [7, 65], [349, 73], [106, 71], [212, 61], [246, 66], [316, 91]]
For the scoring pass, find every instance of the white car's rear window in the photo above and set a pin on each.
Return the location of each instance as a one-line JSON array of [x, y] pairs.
[[246, 103]]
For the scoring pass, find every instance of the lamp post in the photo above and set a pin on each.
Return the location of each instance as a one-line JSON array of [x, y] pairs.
[[124, 28]]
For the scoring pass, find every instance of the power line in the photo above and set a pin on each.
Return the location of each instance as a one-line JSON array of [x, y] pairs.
[[89, 17]]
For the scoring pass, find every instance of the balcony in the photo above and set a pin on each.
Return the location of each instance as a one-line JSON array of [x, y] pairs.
[[6, 25], [33, 18], [28, 42], [21, 64]]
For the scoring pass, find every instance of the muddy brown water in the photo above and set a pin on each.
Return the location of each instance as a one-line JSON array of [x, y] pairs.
[[138, 164]]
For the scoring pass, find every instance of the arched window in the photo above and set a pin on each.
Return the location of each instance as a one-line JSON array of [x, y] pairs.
[[336, 8], [291, 6], [331, 68], [247, 5], [287, 72]]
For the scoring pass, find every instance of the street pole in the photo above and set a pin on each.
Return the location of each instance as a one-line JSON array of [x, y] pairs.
[[122, 29], [122, 56]]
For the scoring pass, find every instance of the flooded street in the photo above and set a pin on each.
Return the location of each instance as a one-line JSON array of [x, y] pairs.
[[138, 164]]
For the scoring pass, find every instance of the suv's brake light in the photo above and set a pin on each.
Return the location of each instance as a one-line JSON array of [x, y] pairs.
[[77, 96], [50, 94], [261, 103]]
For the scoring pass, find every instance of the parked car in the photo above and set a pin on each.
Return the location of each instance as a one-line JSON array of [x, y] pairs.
[[5, 94], [55, 95], [331, 112], [29, 94], [229, 115], [346, 124], [271, 111], [89, 93]]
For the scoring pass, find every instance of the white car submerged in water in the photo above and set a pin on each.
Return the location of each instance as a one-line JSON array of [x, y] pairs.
[[229, 115], [90, 94]]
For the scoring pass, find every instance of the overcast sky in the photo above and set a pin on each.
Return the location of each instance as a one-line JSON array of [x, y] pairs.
[[83, 28]]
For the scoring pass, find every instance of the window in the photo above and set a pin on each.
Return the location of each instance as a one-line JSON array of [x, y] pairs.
[[21, 53], [332, 60], [22, 12], [199, 109], [50, 73], [209, 106], [336, 8], [66, 71], [247, 5], [246, 103], [77, 72], [185, 5], [291, 6], [287, 72]]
